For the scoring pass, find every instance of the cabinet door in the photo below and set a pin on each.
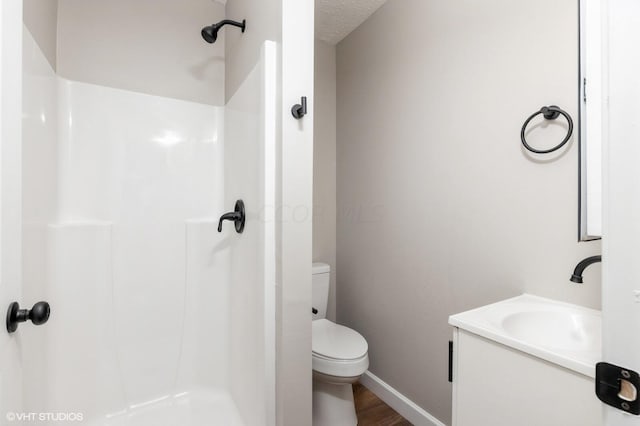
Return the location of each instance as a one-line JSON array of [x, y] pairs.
[[495, 385]]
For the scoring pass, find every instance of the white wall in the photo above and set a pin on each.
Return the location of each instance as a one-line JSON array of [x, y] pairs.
[[324, 164], [289, 23], [242, 50], [41, 18], [10, 193], [146, 46], [294, 215], [620, 297], [439, 208]]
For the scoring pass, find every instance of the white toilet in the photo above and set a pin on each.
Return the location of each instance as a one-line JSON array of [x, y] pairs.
[[339, 359]]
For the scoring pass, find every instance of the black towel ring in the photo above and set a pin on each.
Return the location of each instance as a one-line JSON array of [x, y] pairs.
[[550, 113]]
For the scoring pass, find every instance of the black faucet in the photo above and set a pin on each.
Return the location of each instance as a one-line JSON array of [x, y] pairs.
[[237, 216], [581, 266]]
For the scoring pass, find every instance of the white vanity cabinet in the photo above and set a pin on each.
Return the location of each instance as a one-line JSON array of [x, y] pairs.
[[497, 383]]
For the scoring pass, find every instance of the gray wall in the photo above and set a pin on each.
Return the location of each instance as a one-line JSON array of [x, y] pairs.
[[147, 46], [324, 164], [264, 22], [439, 208], [41, 19]]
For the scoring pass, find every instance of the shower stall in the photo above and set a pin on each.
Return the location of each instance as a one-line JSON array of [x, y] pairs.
[[110, 210]]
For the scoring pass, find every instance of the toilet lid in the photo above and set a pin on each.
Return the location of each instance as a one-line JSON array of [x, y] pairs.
[[335, 341]]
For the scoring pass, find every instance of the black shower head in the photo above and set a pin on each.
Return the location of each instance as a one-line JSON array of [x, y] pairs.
[[210, 33]]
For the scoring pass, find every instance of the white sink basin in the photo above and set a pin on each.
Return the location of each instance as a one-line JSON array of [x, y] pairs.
[[562, 333], [573, 331]]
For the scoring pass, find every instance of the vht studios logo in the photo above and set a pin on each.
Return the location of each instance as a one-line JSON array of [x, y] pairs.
[[45, 417]]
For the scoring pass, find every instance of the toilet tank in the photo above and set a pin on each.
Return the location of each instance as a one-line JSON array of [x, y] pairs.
[[320, 289]]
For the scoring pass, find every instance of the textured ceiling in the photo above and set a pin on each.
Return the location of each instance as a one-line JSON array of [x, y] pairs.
[[335, 19]]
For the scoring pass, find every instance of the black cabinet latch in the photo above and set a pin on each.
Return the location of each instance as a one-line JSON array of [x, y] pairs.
[[618, 387], [450, 361]]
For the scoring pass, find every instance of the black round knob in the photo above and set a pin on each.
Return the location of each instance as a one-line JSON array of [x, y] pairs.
[[40, 312], [38, 315]]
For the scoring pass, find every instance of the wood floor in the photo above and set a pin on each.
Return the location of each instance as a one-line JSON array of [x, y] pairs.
[[372, 411]]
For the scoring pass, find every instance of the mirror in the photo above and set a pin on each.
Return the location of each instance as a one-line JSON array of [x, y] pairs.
[[590, 119]]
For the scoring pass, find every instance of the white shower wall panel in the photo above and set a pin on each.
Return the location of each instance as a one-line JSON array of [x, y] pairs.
[[205, 349], [156, 317], [39, 202], [147, 164], [82, 374], [250, 173], [129, 156], [243, 169], [39, 135], [88, 367]]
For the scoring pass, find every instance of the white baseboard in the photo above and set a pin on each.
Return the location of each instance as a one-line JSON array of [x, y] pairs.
[[403, 405]]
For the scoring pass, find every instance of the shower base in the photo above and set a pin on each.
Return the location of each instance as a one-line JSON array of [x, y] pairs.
[[195, 408]]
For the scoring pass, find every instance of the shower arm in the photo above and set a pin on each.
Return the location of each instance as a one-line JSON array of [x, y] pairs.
[[224, 22]]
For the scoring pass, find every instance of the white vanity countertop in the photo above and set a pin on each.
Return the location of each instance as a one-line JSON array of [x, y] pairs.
[[562, 333]]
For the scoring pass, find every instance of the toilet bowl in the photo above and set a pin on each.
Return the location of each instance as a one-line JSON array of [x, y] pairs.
[[339, 358]]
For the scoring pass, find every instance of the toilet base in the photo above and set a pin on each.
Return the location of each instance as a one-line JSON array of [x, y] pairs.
[[333, 404]]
